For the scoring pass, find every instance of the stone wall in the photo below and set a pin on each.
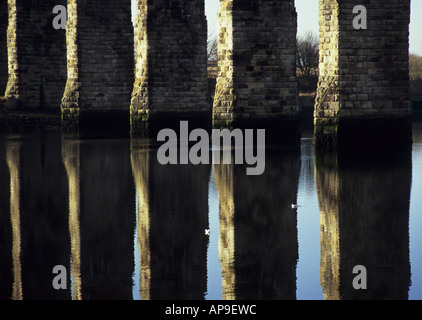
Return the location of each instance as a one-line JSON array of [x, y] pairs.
[[3, 45], [99, 58], [37, 56], [257, 54], [171, 61], [363, 73]]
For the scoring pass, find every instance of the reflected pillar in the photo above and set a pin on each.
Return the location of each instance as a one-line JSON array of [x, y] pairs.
[[140, 168], [101, 218], [226, 245], [258, 244], [107, 219], [6, 234], [13, 161], [172, 218], [71, 159], [364, 205], [44, 216]]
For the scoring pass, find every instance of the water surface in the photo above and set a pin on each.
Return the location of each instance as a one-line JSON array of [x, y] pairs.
[[126, 227]]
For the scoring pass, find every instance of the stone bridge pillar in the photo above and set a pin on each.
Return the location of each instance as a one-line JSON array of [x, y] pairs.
[[364, 73], [257, 63], [99, 62], [3, 45], [36, 55], [171, 63]]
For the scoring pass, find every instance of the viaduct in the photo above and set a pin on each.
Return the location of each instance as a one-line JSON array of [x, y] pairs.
[[90, 70]]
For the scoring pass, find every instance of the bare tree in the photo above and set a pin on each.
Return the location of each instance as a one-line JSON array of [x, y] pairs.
[[415, 67], [307, 59], [307, 53], [212, 48]]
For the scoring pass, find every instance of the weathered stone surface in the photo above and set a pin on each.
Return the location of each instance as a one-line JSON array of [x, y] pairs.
[[364, 74], [3, 45], [99, 58], [36, 56], [257, 51], [171, 61]]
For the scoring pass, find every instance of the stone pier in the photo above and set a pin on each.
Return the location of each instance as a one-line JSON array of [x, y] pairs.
[[257, 63], [36, 55], [171, 64], [99, 63], [364, 73], [3, 45]]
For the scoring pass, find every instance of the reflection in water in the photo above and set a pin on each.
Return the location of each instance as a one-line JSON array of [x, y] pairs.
[[224, 181], [140, 168], [107, 218], [71, 160], [13, 161], [258, 228], [6, 263], [78, 202], [101, 218], [44, 216], [38, 240], [172, 217], [364, 205]]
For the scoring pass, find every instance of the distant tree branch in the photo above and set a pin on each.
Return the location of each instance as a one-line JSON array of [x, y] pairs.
[[307, 61], [307, 58], [415, 67], [212, 48]]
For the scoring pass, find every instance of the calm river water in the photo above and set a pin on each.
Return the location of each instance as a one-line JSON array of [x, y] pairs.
[[125, 227]]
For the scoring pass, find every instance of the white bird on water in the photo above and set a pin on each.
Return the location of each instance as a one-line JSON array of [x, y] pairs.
[[294, 206], [207, 232]]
